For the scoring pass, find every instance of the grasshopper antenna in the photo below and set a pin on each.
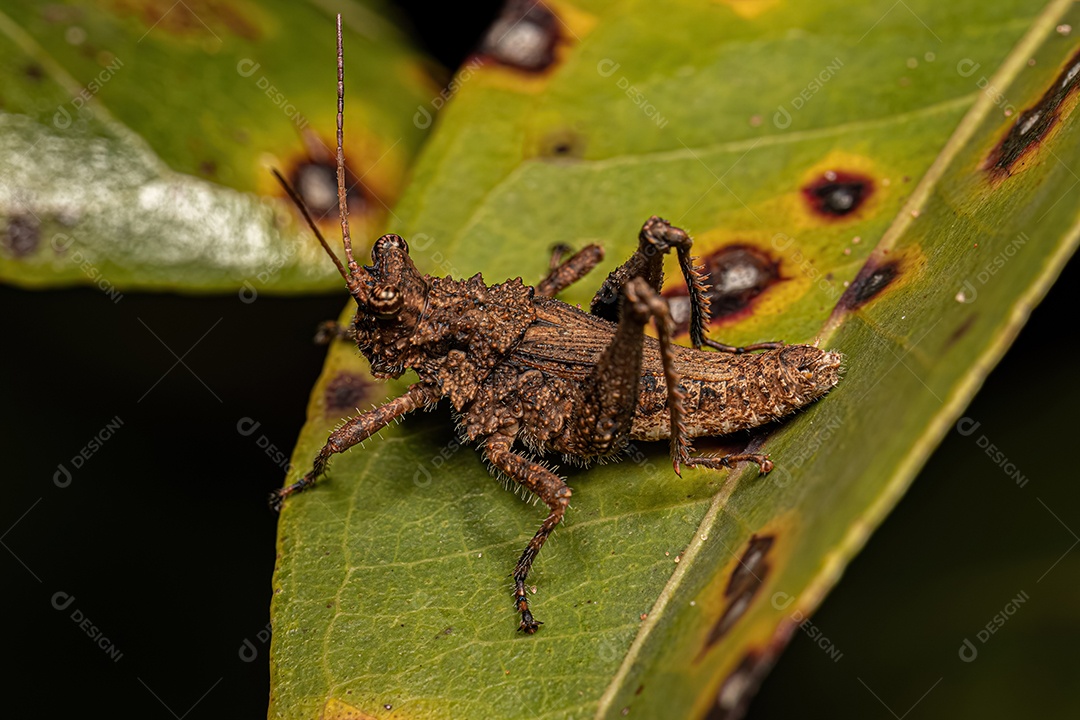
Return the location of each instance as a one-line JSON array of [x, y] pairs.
[[343, 205], [299, 202], [353, 272]]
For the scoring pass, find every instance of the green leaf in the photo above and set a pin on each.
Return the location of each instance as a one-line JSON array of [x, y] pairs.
[[136, 140], [667, 596]]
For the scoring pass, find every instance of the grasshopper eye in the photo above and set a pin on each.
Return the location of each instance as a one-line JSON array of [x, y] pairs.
[[385, 301], [390, 241]]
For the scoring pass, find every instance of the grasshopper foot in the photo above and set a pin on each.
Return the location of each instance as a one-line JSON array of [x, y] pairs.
[[765, 465], [529, 624], [275, 500], [277, 497]]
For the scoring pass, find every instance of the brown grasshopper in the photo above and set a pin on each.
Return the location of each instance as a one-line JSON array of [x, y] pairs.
[[519, 366]]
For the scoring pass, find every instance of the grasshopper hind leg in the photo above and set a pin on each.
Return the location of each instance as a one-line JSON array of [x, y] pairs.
[[658, 237]]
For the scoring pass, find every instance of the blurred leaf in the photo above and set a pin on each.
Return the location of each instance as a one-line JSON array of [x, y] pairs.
[[669, 597], [136, 140]]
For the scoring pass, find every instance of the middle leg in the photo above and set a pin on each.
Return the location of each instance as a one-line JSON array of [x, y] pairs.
[[550, 488], [564, 274]]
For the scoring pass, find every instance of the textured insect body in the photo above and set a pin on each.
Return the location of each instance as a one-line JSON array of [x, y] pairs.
[[724, 394], [522, 368]]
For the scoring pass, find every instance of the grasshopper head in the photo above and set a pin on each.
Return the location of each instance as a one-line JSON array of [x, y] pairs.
[[393, 292]]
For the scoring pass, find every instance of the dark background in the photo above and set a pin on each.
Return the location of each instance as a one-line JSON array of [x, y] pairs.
[[165, 543]]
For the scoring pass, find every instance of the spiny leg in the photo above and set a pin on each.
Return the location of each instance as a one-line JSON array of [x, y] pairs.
[[646, 262], [644, 302], [656, 238], [552, 490], [356, 430], [564, 274], [608, 396]]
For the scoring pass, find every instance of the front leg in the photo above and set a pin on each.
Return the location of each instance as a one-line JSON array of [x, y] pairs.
[[551, 489], [356, 430]]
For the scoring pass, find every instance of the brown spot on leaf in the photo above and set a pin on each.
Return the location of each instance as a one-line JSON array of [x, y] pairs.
[[960, 331], [22, 235], [316, 182], [837, 193], [871, 280], [745, 581], [524, 36], [1033, 124], [739, 687], [346, 393], [562, 144], [752, 567], [34, 72], [207, 18], [736, 274]]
